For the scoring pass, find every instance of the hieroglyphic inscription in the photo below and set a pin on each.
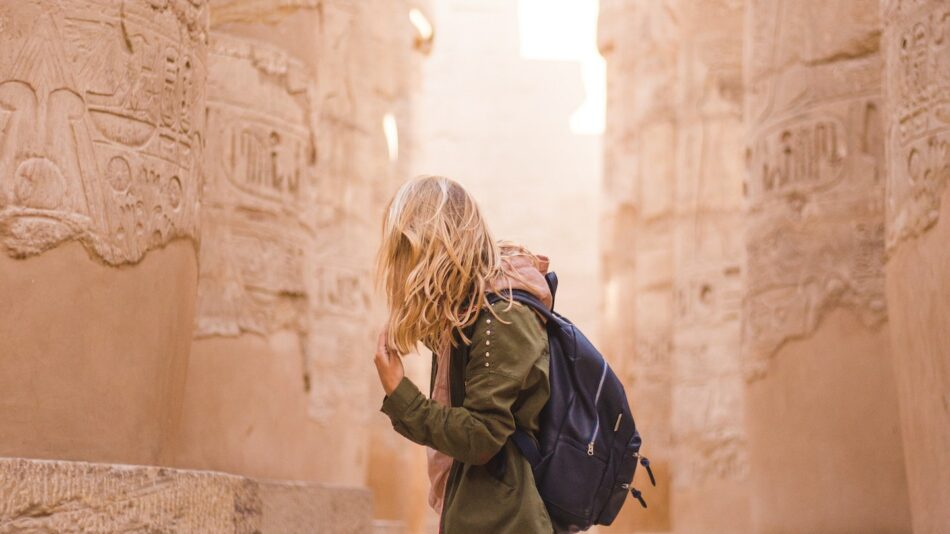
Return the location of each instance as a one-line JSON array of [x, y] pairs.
[[804, 156], [340, 291], [815, 234], [79, 497], [708, 438], [639, 42], [917, 47], [101, 124], [257, 219]]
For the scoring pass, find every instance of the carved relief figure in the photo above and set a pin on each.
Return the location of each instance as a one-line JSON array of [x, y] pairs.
[[258, 222], [918, 57], [815, 185], [101, 124]]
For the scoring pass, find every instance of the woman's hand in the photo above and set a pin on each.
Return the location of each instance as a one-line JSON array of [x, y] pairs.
[[388, 365]]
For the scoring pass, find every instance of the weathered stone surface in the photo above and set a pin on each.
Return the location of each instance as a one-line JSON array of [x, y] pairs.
[[245, 412], [66, 497], [815, 250], [709, 442], [673, 251], [300, 507], [259, 194], [298, 174], [918, 289], [101, 124], [917, 53], [257, 11], [916, 45], [815, 186], [93, 358], [824, 414], [101, 142], [638, 41]]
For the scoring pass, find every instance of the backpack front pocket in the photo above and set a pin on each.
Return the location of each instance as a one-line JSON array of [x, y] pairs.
[[579, 476]]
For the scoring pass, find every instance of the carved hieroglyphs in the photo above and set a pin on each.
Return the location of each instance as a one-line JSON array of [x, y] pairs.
[[745, 337], [639, 173], [73, 497], [259, 191], [101, 144], [672, 250], [366, 71], [814, 319], [711, 463], [793, 281], [917, 51], [298, 172], [101, 124], [815, 185], [916, 46]]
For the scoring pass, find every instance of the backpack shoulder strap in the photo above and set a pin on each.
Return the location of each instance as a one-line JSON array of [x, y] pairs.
[[528, 447], [522, 296]]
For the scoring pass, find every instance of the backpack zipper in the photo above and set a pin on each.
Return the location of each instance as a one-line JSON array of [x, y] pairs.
[[600, 387]]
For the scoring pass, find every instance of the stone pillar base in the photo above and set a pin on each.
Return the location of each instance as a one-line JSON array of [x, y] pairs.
[[385, 526], [60, 496]]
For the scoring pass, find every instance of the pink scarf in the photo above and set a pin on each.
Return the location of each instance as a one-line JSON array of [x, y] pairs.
[[531, 276]]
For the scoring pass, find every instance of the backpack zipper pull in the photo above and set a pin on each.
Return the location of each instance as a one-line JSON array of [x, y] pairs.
[[638, 496], [646, 463], [590, 449]]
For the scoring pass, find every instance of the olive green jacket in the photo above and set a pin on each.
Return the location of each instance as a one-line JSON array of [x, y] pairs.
[[504, 385]]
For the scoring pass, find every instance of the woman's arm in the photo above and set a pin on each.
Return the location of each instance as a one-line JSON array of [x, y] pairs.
[[476, 431]]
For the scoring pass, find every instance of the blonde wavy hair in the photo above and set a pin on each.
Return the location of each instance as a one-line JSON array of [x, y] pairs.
[[436, 261]]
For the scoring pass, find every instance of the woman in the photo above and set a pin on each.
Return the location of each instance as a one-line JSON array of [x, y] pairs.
[[438, 262]]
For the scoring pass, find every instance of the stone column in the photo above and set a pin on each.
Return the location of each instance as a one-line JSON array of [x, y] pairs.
[[247, 376], [710, 458], [673, 251], [916, 45], [101, 136], [364, 82], [298, 174], [820, 397], [639, 173]]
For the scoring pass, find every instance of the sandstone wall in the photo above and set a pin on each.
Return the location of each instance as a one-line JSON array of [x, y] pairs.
[[297, 171], [101, 135], [103, 150], [672, 253], [820, 398], [916, 48], [710, 453], [73, 497], [637, 41], [298, 176]]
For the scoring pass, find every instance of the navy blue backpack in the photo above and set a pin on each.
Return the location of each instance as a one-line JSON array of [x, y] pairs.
[[588, 446]]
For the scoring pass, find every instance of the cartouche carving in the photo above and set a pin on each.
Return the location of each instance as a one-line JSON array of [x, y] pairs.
[[815, 238], [259, 193]]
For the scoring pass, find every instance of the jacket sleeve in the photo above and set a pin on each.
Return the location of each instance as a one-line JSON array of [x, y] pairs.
[[502, 354]]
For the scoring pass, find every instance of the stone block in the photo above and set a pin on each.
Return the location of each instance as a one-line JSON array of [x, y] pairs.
[[73, 497]]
